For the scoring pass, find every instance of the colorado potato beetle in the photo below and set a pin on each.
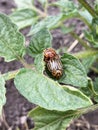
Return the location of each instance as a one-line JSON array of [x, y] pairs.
[[49, 54], [53, 63]]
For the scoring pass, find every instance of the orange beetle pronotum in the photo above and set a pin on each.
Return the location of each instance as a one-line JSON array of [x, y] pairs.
[[53, 62], [49, 54]]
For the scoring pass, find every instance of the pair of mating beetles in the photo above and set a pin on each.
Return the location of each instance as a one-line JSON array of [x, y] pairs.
[[53, 62]]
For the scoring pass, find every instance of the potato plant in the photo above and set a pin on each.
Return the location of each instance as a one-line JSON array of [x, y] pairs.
[[61, 100]]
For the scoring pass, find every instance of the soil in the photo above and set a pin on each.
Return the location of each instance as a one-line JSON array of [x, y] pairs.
[[17, 107]]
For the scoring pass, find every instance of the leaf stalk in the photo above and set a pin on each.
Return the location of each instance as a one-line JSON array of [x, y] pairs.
[[43, 14], [87, 53], [88, 7], [88, 109], [83, 43]]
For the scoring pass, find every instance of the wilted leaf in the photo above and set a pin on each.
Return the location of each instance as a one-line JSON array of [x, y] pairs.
[[73, 71], [24, 17], [2, 93], [11, 40], [40, 41], [51, 120], [43, 91]]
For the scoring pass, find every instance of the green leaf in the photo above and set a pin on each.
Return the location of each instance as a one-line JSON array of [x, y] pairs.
[[65, 5], [74, 72], [51, 120], [85, 14], [24, 3], [91, 86], [96, 85], [67, 30], [89, 90], [96, 6], [39, 63], [43, 91], [92, 38], [86, 91], [52, 22], [88, 62], [11, 40], [96, 98], [49, 22], [2, 93], [92, 89], [40, 41], [24, 17]]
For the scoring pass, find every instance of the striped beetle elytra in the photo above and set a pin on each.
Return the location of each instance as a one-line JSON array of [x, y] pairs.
[[53, 62]]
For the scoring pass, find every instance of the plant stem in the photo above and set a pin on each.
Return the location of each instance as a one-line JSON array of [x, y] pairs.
[[10, 75], [91, 87], [25, 64], [87, 53], [46, 6], [43, 14], [88, 7], [89, 109], [94, 69], [80, 40], [85, 21]]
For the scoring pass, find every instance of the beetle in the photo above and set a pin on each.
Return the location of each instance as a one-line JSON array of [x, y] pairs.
[[49, 54], [53, 62]]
